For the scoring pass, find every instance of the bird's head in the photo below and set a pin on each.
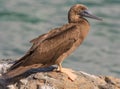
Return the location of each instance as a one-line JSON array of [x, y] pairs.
[[78, 12]]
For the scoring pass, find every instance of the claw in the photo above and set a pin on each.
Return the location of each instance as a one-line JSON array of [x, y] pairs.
[[67, 71], [70, 73]]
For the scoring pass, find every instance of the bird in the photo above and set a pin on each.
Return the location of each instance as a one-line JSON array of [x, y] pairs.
[[54, 46]]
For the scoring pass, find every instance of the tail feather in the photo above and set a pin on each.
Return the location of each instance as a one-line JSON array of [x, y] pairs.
[[18, 63], [16, 72], [20, 67], [20, 70]]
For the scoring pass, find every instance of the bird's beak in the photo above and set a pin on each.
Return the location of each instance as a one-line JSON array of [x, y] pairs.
[[88, 14]]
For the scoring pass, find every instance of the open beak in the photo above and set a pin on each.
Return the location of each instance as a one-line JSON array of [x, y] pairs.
[[88, 14]]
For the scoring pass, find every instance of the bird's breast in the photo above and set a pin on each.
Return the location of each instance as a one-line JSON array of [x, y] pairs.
[[83, 29]]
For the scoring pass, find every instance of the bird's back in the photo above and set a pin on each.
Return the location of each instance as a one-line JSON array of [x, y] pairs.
[[46, 49], [50, 49]]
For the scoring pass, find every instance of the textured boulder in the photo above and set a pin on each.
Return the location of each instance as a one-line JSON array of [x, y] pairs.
[[47, 79]]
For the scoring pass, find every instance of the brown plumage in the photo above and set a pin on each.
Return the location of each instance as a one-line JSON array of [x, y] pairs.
[[53, 47]]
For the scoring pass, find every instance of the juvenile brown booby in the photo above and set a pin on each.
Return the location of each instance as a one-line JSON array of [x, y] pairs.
[[53, 47]]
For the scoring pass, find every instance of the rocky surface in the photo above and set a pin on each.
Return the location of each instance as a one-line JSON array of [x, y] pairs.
[[47, 79]]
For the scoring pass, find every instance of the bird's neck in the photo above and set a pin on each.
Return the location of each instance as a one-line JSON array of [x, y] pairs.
[[79, 21], [83, 26]]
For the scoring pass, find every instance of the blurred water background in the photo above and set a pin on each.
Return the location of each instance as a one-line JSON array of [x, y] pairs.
[[23, 20]]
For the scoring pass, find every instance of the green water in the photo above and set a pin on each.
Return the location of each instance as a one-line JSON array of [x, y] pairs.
[[23, 20]]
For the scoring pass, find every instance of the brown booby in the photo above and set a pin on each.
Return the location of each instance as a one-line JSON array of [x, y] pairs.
[[53, 47]]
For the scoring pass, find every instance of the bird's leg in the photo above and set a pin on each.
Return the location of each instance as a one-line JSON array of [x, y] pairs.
[[59, 67], [67, 71]]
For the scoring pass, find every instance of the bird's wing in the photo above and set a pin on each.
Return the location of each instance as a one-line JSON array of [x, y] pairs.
[[52, 33], [37, 41]]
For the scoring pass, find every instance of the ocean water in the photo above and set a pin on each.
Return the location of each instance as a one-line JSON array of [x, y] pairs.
[[23, 20]]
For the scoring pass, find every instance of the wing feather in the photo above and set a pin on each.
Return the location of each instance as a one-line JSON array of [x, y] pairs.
[[37, 41], [32, 54]]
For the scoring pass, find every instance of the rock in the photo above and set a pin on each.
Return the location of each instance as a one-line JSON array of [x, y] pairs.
[[5, 64], [36, 79]]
